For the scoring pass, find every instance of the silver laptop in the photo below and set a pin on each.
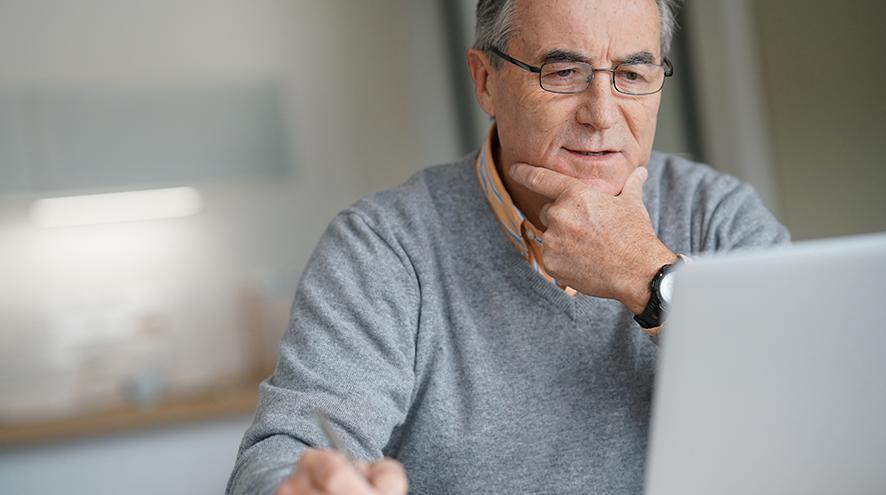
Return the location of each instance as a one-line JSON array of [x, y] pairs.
[[772, 374]]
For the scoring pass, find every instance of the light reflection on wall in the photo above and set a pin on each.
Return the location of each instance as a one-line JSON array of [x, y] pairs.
[[122, 307], [356, 122], [127, 206], [321, 138]]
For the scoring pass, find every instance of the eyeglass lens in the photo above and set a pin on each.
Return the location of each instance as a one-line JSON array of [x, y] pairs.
[[575, 77]]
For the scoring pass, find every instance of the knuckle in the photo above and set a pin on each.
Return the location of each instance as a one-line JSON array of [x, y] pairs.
[[310, 456], [579, 197], [333, 479], [568, 192], [322, 467], [295, 484], [534, 178], [390, 477], [557, 217], [313, 459], [395, 467]]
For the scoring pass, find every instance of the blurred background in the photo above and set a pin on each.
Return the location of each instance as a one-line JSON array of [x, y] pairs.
[[166, 167]]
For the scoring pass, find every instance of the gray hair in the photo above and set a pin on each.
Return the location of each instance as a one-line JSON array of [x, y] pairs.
[[495, 24]]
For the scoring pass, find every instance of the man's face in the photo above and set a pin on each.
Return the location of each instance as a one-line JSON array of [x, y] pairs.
[[598, 136]]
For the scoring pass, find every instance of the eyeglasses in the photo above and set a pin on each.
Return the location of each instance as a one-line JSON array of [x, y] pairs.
[[568, 77]]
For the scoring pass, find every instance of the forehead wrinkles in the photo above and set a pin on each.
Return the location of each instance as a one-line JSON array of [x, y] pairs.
[[623, 25]]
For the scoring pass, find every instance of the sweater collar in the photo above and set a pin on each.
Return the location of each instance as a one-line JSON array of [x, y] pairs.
[[520, 231]]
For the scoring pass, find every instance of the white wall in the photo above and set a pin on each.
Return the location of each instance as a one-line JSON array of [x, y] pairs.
[[732, 117], [824, 74], [368, 103], [789, 95]]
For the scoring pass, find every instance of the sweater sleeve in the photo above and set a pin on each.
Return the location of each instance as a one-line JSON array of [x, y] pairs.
[[739, 220], [349, 350], [726, 215]]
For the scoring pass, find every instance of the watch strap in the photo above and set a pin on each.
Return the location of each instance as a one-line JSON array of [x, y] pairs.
[[653, 315]]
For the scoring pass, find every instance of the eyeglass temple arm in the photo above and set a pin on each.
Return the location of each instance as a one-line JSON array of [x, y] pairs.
[[669, 67], [516, 62]]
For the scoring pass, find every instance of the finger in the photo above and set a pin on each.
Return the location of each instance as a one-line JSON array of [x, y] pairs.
[[330, 472], [543, 214], [296, 485], [299, 482], [388, 477], [287, 488], [634, 185], [362, 466], [541, 180]]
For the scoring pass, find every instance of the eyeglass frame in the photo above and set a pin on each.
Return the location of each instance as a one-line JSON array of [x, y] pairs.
[[666, 64]]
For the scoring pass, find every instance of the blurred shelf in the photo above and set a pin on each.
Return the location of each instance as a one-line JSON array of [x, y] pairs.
[[213, 405]]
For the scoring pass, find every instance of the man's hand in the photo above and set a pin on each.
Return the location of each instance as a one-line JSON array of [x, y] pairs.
[[598, 244], [328, 472]]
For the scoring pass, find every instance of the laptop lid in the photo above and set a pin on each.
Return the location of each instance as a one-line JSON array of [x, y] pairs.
[[772, 374]]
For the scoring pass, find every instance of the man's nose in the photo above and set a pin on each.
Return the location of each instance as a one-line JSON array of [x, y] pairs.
[[599, 105]]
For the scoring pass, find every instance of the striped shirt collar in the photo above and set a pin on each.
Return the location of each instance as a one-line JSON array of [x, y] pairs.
[[518, 229]]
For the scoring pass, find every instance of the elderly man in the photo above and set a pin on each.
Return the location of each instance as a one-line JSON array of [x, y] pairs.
[[491, 323]]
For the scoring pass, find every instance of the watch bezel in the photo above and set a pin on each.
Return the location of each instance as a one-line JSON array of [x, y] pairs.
[[652, 315]]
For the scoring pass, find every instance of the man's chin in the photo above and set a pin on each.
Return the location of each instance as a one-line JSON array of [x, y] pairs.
[[603, 186]]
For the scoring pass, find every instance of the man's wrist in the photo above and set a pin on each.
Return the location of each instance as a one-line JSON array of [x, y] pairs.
[[639, 290]]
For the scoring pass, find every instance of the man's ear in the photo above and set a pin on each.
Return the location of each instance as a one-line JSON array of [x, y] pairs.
[[481, 73]]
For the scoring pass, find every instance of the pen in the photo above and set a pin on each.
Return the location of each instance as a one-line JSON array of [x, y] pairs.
[[331, 437]]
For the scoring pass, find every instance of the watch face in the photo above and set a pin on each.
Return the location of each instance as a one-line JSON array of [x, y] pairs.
[[666, 287]]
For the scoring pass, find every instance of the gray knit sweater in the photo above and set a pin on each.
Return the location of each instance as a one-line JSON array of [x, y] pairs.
[[426, 337]]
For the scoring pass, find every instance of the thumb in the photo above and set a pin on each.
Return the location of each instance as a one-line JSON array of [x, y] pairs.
[[634, 185], [388, 477]]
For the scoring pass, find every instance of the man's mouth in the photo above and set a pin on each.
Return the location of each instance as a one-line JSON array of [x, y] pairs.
[[592, 152]]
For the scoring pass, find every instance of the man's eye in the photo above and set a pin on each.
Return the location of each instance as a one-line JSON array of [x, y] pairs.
[[638, 74], [561, 72], [629, 75]]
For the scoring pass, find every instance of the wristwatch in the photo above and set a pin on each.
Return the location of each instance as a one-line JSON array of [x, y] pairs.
[[660, 298]]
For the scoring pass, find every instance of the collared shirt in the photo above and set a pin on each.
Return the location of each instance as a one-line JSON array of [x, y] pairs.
[[525, 236]]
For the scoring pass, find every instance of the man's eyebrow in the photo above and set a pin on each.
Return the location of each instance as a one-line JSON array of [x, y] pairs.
[[643, 57], [563, 56], [559, 55]]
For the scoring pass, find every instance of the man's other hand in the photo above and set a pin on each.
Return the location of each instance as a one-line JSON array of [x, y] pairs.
[[328, 472], [600, 245]]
